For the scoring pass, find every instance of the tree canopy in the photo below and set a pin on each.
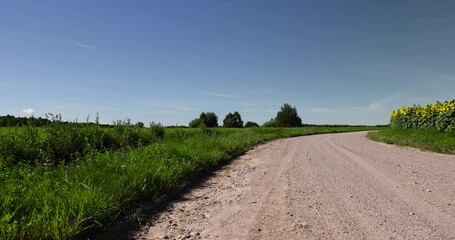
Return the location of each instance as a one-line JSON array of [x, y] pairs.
[[12, 121], [233, 120], [251, 124], [195, 123], [208, 119], [288, 117]]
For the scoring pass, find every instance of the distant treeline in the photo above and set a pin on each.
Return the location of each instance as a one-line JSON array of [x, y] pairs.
[[13, 121]]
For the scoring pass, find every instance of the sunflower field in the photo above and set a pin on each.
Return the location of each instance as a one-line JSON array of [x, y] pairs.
[[439, 116]]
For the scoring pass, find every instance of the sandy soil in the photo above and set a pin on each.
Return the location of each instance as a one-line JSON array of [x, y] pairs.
[[335, 186]]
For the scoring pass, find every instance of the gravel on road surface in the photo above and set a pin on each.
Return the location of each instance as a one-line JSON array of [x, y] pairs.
[[332, 186]]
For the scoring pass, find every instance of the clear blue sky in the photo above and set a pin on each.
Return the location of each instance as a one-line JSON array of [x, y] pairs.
[[167, 61]]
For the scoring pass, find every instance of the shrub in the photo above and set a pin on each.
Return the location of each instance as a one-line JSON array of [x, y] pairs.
[[140, 124], [271, 123], [158, 130], [251, 124], [195, 123]]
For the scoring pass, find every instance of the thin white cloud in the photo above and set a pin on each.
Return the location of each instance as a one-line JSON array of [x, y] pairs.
[[29, 111], [424, 100], [438, 85], [222, 95], [60, 107], [165, 112], [260, 110], [250, 104], [186, 109], [379, 104], [440, 77], [322, 110], [270, 110], [251, 110], [82, 45]]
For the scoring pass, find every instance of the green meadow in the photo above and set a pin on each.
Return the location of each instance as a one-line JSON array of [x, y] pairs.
[[427, 139], [62, 181]]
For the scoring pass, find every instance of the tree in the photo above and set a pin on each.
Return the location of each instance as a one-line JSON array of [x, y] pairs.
[[140, 124], [251, 124], [195, 123], [288, 117], [209, 119], [233, 120], [271, 123], [12, 121]]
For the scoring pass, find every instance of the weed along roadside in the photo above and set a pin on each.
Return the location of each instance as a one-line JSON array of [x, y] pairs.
[[425, 139], [430, 128], [69, 199]]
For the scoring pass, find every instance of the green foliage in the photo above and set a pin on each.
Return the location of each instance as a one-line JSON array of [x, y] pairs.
[[439, 116], [205, 129], [209, 119], [65, 201], [158, 130], [445, 121], [12, 121], [140, 124], [288, 117], [251, 124], [63, 142], [429, 139], [270, 124], [195, 123], [233, 120]]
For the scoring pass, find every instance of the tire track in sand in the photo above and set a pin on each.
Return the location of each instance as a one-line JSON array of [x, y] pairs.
[[334, 186]]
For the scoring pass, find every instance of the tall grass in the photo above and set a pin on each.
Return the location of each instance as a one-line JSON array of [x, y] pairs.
[[428, 139], [69, 199], [66, 142]]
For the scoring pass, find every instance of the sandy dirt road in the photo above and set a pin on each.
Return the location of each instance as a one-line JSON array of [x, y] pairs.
[[334, 186]]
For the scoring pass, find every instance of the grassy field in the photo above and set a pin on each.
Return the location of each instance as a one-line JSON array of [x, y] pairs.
[[88, 189], [442, 142]]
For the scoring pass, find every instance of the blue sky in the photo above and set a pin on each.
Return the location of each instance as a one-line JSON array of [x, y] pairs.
[[338, 62]]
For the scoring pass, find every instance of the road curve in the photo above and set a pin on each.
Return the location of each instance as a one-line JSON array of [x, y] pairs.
[[333, 186]]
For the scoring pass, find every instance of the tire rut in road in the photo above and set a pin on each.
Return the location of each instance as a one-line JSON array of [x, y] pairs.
[[335, 186]]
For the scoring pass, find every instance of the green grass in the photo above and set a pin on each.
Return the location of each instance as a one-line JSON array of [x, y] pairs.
[[59, 142], [427, 139], [87, 194]]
